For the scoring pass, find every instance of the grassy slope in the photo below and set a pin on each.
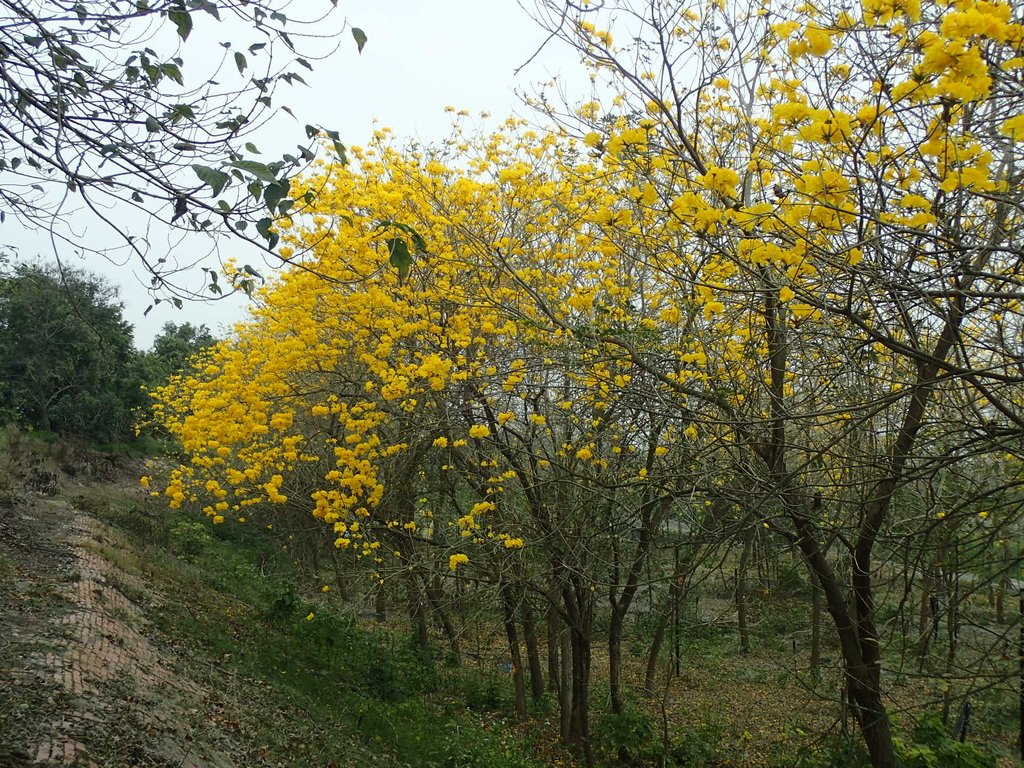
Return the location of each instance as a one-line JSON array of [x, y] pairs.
[[286, 691]]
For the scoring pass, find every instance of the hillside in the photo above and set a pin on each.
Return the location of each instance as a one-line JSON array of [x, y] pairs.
[[135, 638]]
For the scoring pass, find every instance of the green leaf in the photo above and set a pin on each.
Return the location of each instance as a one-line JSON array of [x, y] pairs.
[[181, 111], [250, 147], [240, 61], [360, 37], [152, 124], [217, 180], [253, 168], [274, 193], [417, 238], [263, 227], [399, 256], [172, 71], [206, 5], [182, 20]]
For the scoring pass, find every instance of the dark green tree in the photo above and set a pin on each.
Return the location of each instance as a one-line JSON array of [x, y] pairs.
[[67, 362], [172, 348]]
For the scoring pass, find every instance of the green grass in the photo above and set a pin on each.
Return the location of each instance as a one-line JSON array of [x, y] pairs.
[[320, 688]]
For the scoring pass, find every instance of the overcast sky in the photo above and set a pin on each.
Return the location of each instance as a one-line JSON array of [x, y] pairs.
[[420, 57]]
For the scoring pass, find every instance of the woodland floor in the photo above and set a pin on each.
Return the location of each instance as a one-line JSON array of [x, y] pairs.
[[94, 673], [88, 678]]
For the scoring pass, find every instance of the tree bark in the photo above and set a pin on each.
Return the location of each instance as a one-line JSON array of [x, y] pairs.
[[578, 606], [815, 661], [554, 638], [741, 590], [532, 651], [435, 595], [515, 657]]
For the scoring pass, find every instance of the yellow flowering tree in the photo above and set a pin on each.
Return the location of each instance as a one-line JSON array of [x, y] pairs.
[[773, 272], [846, 188]]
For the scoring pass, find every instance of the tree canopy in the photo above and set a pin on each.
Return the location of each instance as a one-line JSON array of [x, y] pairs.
[[106, 106], [768, 286], [173, 347], [67, 363]]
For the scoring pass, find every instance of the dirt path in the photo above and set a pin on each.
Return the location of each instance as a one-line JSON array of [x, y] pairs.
[[82, 681]]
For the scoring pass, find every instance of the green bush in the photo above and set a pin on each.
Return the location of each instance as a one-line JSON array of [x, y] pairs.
[[697, 747], [189, 539], [629, 737], [932, 747], [482, 693], [836, 752]]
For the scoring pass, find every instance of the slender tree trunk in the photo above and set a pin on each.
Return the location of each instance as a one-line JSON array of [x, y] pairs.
[[654, 510], [579, 610], [874, 724], [565, 687], [615, 657], [341, 582], [741, 591], [554, 637], [512, 635], [532, 651], [579, 719], [417, 612], [435, 595], [1001, 588], [815, 661], [657, 640]]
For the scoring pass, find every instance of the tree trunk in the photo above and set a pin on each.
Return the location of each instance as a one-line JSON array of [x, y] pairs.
[[857, 641], [565, 687], [578, 604], [615, 657], [554, 637], [815, 661], [435, 594], [532, 651], [1001, 588], [874, 724], [741, 591], [515, 657], [654, 510], [579, 718], [417, 613], [657, 639]]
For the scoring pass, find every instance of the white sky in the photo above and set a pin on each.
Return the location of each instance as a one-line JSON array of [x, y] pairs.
[[420, 57]]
